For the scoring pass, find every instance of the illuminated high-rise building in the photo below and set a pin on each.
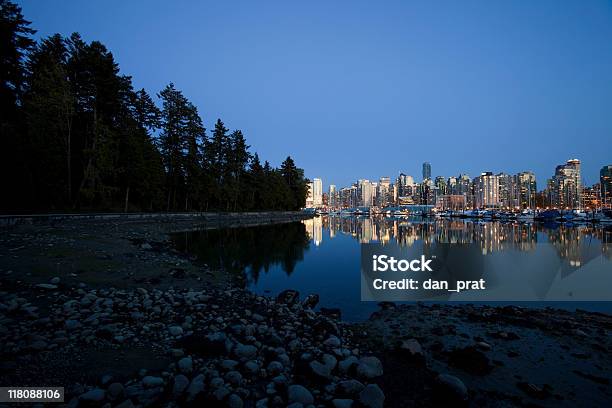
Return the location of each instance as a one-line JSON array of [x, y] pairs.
[[317, 192], [605, 185], [426, 171]]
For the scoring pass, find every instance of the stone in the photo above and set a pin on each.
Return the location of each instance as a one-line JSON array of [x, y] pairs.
[[186, 365], [411, 347], [245, 351], [94, 395], [234, 401], [349, 387], [150, 381], [342, 403], [369, 367], [345, 365], [220, 393], [115, 390], [300, 394], [372, 396], [180, 384], [175, 330], [71, 324], [311, 301], [332, 342], [275, 368], [47, 286], [229, 364], [233, 377], [196, 387], [288, 297], [55, 280], [452, 386], [126, 404]]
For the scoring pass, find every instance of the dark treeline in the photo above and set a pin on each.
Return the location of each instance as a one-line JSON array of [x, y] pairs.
[[76, 135]]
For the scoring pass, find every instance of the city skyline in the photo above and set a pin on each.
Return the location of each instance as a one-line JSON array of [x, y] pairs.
[[564, 188], [495, 86]]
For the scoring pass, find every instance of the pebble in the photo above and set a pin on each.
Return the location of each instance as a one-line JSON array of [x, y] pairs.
[[372, 396], [299, 394], [369, 367], [453, 385]]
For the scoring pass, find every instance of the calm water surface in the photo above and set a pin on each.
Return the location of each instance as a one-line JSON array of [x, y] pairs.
[[322, 255]]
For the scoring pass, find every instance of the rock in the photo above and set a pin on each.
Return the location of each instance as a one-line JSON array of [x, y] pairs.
[[311, 301], [229, 364], [196, 387], [349, 387], [180, 384], [145, 245], [186, 365], [452, 388], [71, 324], [175, 330], [234, 401], [220, 393], [126, 404], [115, 390], [323, 369], [251, 366], [55, 280], [345, 365], [47, 286], [274, 368], [342, 403], [149, 381], [300, 394], [411, 347], [369, 367], [332, 342], [288, 297], [94, 395], [233, 377], [245, 351], [372, 396]]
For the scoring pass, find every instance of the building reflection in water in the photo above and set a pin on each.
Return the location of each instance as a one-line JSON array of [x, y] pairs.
[[567, 239]]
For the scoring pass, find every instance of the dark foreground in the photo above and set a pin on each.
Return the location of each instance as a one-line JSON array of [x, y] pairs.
[[112, 313]]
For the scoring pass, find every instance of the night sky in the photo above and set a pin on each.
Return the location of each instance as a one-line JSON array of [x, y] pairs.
[[366, 89]]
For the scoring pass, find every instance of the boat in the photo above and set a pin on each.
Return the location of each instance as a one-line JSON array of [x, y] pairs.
[[526, 215], [548, 215]]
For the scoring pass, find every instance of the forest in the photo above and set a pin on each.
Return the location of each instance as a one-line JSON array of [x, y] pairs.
[[76, 136]]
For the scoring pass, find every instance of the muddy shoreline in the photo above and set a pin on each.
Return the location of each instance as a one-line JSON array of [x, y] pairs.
[[107, 309]]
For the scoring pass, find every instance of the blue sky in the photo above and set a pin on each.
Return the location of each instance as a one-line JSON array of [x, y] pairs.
[[362, 89]]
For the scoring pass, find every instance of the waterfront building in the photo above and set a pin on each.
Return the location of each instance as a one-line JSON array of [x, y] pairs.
[[317, 192], [525, 189], [365, 193], [426, 171], [384, 194], [451, 185], [466, 188], [454, 202], [334, 201], [506, 190], [566, 185], [486, 190], [591, 197], [605, 185]]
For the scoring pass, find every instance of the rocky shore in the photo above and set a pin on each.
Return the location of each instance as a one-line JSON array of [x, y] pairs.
[[112, 313]]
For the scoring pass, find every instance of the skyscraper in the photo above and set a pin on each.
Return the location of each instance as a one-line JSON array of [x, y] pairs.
[[426, 171], [486, 190], [605, 182], [333, 196], [317, 192], [566, 185]]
